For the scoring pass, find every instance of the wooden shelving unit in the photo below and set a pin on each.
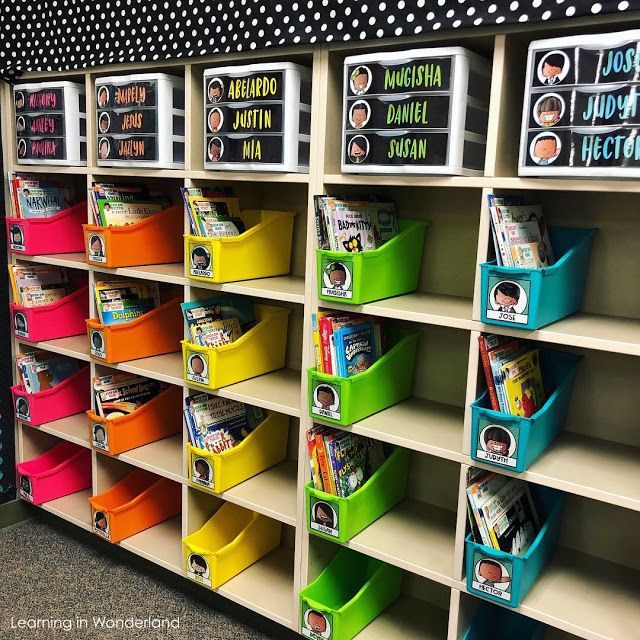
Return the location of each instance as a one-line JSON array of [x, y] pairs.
[[590, 588]]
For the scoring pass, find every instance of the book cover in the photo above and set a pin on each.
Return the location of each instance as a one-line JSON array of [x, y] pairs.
[[497, 357], [316, 473], [352, 458], [46, 374], [529, 255], [327, 477], [523, 384], [42, 201], [479, 493], [125, 301], [355, 348], [351, 226], [125, 397], [115, 213], [223, 307], [488, 343], [215, 333]]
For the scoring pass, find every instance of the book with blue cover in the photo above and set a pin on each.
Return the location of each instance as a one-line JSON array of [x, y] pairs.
[[356, 348]]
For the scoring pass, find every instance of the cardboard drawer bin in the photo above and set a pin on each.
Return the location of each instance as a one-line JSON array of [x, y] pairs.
[[156, 419], [139, 501], [63, 470], [260, 350], [51, 124], [391, 270], [264, 447], [155, 240], [154, 333], [351, 591], [71, 396], [421, 111], [229, 542], [340, 519], [257, 117], [538, 297], [515, 442], [60, 233], [140, 121], [262, 251], [386, 382]]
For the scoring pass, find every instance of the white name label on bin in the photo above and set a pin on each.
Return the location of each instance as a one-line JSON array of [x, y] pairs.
[[324, 517], [20, 327], [508, 300], [96, 246], [97, 348], [198, 569], [16, 237], [99, 438], [23, 411], [198, 367], [202, 472], [325, 401], [196, 577], [337, 281], [492, 576], [498, 444], [26, 496], [200, 262], [25, 488], [101, 525]]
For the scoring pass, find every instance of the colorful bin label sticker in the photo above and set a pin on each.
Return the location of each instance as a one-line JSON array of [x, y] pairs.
[[130, 94], [260, 86], [337, 278], [46, 124], [317, 625], [508, 300], [99, 436], [201, 472], [20, 325], [250, 147], [16, 237], [130, 121], [200, 260], [498, 443], [41, 149], [132, 147], [197, 367], [26, 492], [50, 99], [267, 118], [100, 525], [97, 249], [324, 517], [96, 343], [23, 409], [325, 400], [492, 576], [198, 569]]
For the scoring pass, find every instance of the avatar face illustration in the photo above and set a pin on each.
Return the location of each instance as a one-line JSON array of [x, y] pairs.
[[316, 622], [326, 397]]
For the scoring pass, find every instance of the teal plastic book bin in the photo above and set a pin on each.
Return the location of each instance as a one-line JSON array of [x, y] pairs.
[[387, 381], [485, 566], [340, 519], [498, 623], [391, 270], [352, 591], [518, 441], [543, 295]]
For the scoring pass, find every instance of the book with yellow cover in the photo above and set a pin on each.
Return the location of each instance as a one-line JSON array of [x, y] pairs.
[[215, 216], [523, 384]]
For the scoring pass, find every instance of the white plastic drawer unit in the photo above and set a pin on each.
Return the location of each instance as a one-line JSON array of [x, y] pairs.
[[257, 117], [51, 125], [422, 111], [140, 121], [581, 111]]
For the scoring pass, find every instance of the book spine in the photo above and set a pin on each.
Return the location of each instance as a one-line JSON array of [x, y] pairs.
[[498, 229], [331, 462], [484, 356], [325, 348], [479, 516], [322, 459], [316, 342]]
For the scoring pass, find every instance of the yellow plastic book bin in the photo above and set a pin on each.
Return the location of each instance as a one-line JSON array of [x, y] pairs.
[[230, 541], [265, 446], [259, 350], [262, 251]]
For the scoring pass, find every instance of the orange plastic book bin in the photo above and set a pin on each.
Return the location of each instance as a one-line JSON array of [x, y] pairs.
[[139, 501], [159, 418], [155, 240], [154, 333]]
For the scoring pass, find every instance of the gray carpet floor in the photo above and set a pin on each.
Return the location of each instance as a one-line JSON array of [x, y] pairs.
[[47, 574]]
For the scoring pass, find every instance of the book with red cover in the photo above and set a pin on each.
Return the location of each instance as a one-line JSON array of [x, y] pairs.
[[489, 343]]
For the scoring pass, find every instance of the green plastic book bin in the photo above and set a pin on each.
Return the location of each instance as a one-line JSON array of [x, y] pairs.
[[343, 401], [391, 270], [352, 591], [340, 519]]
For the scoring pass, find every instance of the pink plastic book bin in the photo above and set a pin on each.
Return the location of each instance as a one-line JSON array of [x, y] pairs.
[[58, 320], [61, 233], [62, 470], [71, 396]]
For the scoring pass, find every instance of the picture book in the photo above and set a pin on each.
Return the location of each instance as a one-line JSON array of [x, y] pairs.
[[122, 301], [200, 314], [34, 197], [478, 494], [37, 285], [115, 213], [497, 357], [209, 212], [321, 228], [45, 373], [489, 343], [220, 227], [119, 396], [523, 387], [355, 348], [216, 333], [200, 192]]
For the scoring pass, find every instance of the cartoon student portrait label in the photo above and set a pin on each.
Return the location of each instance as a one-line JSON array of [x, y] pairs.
[[20, 326], [359, 114], [23, 410], [96, 251], [96, 344], [545, 148], [26, 492], [508, 300], [325, 400], [16, 237], [553, 67], [315, 624], [323, 517], [548, 109], [498, 443], [358, 149], [198, 569], [200, 260], [201, 472], [337, 281], [360, 80], [492, 576], [197, 367], [99, 436], [100, 524]]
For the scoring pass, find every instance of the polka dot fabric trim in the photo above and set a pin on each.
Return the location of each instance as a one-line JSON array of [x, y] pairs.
[[74, 34]]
